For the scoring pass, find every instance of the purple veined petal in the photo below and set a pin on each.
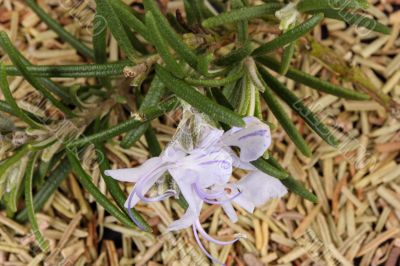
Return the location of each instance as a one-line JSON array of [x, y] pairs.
[[211, 239], [209, 168], [134, 174], [196, 236], [202, 194], [230, 212], [147, 182], [129, 207], [258, 188], [252, 140]]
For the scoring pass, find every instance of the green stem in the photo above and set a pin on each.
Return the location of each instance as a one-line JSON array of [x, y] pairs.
[[148, 115]]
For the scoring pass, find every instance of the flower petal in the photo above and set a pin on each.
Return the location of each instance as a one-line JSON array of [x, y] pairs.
[[253, 140], [257, 188], [185, 178], [184, 222], [205, 169], [209, 138], [230, 211], [144, 185], [134, 174]]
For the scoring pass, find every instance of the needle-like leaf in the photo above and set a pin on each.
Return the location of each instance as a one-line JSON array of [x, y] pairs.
[[12, 52], [197, 100], [105, 9], [42, 242], [57, 28], [244, 13], [297, 105], [285, 121], [312, 81], [170, 34], [86, 182], [147, 115], [290, 35], [11, 101]]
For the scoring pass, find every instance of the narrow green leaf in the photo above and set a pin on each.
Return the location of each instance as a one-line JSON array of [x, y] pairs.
[[6, 108], [162, 49], [197, 100], [100, 45], [312, 81], [42, 242], [242, 27], [244, 13], [153, 96], [312, 5], [357, 20], [287, 56], [105, 9], [266, 167], [215, 82], [293, 185], [87, 184], [113, 186], [11, 101], [13, 53], [190, 12], [173, 38], [44, 193], [5, 164], [148, 115], [297, 105], [152, 142], [285, 121], [57, 28], [73, 71], [235, 56], [290, 35], [129, 19]]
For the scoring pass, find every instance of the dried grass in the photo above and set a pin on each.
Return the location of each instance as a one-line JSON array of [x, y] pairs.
[[357, 219]]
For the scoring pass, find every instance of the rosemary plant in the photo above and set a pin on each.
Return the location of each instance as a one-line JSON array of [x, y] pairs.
[[208, 59]]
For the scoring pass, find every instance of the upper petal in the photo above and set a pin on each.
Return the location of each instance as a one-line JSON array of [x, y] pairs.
[[207, 168], [257, 188], [144, 185], [253, 140], [134, 174]]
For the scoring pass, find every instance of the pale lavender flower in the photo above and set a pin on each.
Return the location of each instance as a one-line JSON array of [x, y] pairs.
[[202, 171]]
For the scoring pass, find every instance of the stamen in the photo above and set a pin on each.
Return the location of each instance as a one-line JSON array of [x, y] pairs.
[[167, 194], [223, 201], [211, 239], [196, 236], [204, 195], [138, 224]]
